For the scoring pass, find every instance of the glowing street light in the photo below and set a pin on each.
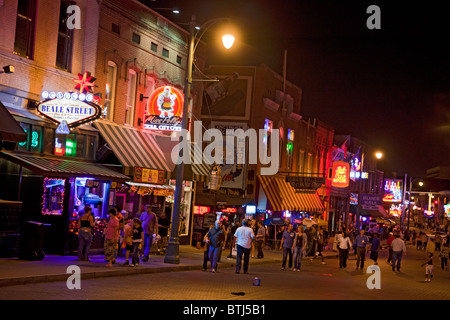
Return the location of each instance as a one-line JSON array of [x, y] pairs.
[[173, 245], [228, 40], [379, 155]]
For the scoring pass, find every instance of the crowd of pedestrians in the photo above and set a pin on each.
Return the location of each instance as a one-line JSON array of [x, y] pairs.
[[124, 234], [135, 236]]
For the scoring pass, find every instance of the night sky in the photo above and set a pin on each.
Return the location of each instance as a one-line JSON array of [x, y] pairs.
[[389, 87]]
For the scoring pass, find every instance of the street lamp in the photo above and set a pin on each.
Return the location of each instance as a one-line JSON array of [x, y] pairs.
[[411, 181], [173, 246]]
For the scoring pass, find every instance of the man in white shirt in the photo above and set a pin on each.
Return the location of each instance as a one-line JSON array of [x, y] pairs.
[[244, 236], [399, 249]]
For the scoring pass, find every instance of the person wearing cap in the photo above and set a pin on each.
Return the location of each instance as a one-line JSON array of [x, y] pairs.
[[389, 243], [111, 237]]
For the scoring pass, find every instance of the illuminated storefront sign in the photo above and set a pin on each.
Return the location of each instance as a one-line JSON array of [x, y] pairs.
[[70, 112], [396, 210], [392, 190], [71, 109], [429, 213], [165, 108], [201, 209], [148, 175], [340, 176], [447, 210]]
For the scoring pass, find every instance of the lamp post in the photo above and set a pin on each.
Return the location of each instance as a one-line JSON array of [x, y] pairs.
[[411, 181], [378, 155], [173, 245]]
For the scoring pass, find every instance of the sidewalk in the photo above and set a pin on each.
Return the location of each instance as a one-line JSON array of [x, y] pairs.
[[54, 268]]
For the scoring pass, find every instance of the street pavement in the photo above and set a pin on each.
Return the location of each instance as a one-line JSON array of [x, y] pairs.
[[47, 279]]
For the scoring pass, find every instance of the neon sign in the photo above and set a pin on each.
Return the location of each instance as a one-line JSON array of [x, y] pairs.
[[201, 209], [447, 210], [395, 210], [165, 107], [392, 190], [340, 174]]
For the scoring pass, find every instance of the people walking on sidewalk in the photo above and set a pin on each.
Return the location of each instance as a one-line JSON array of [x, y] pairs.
[[260, 237], [127, 243], [429, 268], [438, 242], [85, 223], [399, 249], [375, 248], [232, 239], [424, 240], [419, 241], [216, 240], [344, 246], [299, 247], [287, 242], [389, 244], [444, 253], [320, 244], [361, 241], [137, 240], [244, 236], [150, 227], [111, 237]]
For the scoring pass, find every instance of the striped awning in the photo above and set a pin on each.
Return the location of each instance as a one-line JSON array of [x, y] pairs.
[[282, 196], [56, 167], [201, 167], [133, 147]]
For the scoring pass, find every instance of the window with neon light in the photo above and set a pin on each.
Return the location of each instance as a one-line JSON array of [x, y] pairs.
[[53, 196], [290, 149]]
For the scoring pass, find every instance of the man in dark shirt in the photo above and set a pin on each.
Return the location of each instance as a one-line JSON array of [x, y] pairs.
[[215, 238], [163, 228]]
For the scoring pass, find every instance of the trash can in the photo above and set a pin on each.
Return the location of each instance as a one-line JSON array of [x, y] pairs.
[[32, 240]]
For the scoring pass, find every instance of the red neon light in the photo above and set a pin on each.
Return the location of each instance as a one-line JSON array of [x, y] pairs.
[[201, 209], [229, 210], [59, 151], [340, 177]]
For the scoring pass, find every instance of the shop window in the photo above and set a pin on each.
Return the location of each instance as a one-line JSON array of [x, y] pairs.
[[48, 140], [60, 144], [25, 25], [71, 145], [23, 146], [89, 192], [81, 143], [65, 39], [36, 138], [91, 145], [290, 149], [53, 197]]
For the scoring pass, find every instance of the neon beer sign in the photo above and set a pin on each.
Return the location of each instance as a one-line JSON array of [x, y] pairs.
[[165, 108], [340, 174], [392, 190]]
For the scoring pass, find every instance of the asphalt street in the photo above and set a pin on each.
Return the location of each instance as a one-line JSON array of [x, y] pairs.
[[315, 281]]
